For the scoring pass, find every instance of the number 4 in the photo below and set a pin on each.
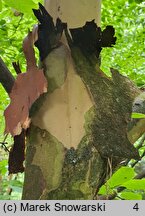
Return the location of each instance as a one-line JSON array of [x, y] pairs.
[[136, 207]]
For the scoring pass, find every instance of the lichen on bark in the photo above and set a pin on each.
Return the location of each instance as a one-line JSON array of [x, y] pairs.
[[62, 173], [44, 161], [113, 106]]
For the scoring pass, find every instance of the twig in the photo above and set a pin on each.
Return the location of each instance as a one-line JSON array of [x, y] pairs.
[[16, 66], [4, 143], [4, 146], [5, 137]]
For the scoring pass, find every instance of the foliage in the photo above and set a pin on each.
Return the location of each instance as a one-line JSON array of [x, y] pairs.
[[128, 56], [0, 5], [134, 189], [138, 115], [9, 188], [22, 6]]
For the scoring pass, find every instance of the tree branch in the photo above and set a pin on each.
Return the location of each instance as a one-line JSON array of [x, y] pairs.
[[16, 66], [6, 78]]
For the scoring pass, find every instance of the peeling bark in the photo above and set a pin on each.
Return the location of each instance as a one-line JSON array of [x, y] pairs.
[[68, 168], [68, 171], [74, 164], [62, 173], [113, 106]]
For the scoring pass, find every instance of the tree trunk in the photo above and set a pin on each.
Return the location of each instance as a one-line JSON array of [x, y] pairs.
[[80, 125]]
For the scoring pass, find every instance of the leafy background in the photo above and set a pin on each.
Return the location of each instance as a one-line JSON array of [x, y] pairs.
[[128, 56]]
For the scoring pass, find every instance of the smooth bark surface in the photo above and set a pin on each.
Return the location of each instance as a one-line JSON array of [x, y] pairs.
[[73, 12]]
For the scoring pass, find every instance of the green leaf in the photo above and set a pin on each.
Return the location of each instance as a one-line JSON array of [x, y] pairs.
[[17, 189], [130, 196], [137, 115], [22, 6], [3, 166], [0, 5], [15, 183], [37, 1], [105, 189], [135, 184], [121, 176], [139, 1], [5, 197]]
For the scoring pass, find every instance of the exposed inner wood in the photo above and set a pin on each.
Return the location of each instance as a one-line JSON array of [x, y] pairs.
[[62, 113]]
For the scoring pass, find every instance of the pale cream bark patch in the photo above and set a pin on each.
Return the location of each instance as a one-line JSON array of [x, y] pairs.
[[62, 113], [74, 12]]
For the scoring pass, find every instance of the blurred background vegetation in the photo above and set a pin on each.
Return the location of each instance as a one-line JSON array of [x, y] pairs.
[[128, 56]]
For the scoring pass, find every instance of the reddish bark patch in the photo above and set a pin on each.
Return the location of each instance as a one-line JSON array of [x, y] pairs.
[[26, 89]]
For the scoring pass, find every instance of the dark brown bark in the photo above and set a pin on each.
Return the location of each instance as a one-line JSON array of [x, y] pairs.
[[6, 78]]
